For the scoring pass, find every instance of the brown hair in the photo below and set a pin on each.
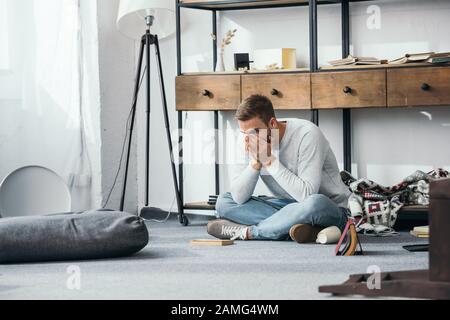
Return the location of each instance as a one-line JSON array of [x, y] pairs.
[[256, 106]]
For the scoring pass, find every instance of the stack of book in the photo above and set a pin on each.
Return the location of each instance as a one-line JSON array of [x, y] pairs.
[[430, 57], [421, 232], [440, 58], [351, 60]]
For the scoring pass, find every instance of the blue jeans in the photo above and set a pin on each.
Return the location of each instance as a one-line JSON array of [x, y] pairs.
[[271, 219]]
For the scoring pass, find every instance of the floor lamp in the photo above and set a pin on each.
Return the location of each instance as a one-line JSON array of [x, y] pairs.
[[158, 17]]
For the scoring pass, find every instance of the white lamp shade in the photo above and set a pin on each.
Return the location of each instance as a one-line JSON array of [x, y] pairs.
[[132, 13]]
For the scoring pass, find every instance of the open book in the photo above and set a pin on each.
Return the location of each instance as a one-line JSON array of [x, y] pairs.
[[351, 60], [342, 62], [420, 57]]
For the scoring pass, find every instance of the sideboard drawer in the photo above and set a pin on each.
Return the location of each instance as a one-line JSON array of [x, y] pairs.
[[208, 92], [286, 91], [355, 89], [418, 87]]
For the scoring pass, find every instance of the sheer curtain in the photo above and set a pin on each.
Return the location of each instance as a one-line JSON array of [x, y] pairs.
[[49, 112]]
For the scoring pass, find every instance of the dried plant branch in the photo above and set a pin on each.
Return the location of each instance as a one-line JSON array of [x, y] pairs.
[[227, 39]]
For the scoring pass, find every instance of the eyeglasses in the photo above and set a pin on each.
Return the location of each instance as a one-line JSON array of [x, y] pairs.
[[256, 132]]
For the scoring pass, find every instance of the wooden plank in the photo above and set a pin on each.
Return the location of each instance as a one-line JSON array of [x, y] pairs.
[[364, 89], [286, 91], [418, 87], [414, 209], [206, 93]]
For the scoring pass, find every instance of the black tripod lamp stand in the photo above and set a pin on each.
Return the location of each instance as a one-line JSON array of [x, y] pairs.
[[156, 16]]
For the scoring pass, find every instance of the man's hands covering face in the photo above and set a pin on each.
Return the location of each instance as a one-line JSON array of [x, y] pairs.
[[259, 151]]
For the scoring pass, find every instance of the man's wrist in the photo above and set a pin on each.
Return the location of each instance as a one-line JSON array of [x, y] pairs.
[[269, 162], [256, 165]]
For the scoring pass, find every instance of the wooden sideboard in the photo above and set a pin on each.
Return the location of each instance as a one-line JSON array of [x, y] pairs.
[[329, 89]]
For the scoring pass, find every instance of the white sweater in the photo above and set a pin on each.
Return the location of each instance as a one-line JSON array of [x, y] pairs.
[[305, 165]]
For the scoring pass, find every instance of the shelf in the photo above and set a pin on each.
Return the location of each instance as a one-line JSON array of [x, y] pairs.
[[251, 4], [382, 66], [418, 209], [413, 213], [199, 206], [221, 73]]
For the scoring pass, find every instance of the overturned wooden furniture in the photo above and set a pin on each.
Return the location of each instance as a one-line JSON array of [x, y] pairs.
[[429, 284]]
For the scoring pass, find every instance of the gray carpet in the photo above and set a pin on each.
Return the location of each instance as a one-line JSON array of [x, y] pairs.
[[169, 268]]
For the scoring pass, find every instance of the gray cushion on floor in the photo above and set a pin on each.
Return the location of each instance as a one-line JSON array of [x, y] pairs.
[[71, 236]]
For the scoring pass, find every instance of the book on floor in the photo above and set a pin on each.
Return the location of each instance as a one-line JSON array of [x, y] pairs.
[[421, 232], [418, 235], [424, 229], [211, 242]]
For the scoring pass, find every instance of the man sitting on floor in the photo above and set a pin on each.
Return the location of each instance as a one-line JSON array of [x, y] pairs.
[[296, 163]]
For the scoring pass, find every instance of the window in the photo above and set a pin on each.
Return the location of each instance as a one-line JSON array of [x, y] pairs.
[[4, 41]]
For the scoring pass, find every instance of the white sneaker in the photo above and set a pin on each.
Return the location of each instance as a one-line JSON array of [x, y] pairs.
[[224, 229]]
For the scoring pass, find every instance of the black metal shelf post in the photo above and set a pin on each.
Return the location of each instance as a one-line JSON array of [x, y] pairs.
[[182, 218], [346, 113], [313, 48], [216, 113]]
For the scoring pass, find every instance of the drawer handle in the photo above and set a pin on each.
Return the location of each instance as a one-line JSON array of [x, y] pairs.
[[425, 87], [275, 92], [347, 90], [206, 93]]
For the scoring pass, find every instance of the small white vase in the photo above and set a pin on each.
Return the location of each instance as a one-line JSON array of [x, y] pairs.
[[220, 63]]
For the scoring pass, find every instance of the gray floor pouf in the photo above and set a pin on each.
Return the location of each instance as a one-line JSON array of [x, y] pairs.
[[72, 236]]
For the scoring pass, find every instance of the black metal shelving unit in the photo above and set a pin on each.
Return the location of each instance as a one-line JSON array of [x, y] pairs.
[[216, 6]]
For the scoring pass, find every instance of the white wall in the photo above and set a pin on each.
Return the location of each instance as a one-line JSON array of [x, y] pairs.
[[387, 144], [116, 65], [91, 96]]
